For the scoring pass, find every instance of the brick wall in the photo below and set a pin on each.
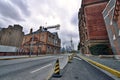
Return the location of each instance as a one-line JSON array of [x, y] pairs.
[[92, 1], [95, 23]]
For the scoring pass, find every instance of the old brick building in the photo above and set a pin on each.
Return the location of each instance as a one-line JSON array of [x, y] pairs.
[[112, 20], [92, 28], [41, 42], [11, 36]]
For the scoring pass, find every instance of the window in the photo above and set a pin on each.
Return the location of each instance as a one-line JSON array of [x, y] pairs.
[[114, 37], [119, 33], [42, 37]]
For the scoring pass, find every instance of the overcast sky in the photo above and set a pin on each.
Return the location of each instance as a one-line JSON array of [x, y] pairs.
[[33, 13]]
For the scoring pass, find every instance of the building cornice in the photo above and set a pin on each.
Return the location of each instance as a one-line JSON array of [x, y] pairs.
[[83, 5]]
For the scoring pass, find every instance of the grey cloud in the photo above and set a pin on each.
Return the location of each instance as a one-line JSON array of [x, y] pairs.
[[74, 20], [3, 21], [72, 34], [9, 11], [66, 37], [69, 34], [1, 25], [22, 5]]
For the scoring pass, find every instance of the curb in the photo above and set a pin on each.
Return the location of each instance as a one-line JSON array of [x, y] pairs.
[[12, 58], [18, 58], [110, 70]]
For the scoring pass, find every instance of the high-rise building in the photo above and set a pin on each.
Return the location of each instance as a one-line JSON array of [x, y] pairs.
[[92, 28], [112, 20]]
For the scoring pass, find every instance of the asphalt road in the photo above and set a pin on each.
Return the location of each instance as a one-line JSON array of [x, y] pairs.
[[26, 69], [78, 69]]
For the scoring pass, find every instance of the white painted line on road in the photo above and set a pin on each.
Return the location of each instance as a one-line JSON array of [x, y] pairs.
[[46, 57], [61, 57], [77, 58], [41, 68]]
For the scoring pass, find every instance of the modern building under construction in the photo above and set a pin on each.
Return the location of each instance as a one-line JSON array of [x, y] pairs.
[[41, 42]]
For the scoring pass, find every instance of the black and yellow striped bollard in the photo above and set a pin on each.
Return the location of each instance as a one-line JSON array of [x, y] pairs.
[[57, 70]]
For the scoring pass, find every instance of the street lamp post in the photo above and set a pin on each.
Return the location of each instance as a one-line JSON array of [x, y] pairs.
[[31, 44]]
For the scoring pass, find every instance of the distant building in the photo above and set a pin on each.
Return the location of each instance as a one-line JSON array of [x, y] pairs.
[[41, 42], [112, 20], [92, 28], [11, 36]]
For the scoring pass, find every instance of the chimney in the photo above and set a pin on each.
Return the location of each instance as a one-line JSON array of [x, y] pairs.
[[31, 31], [40, 28]]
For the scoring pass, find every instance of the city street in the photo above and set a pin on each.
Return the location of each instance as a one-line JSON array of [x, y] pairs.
[[59, 39], [26, 69], [78, 69], [42, 68]]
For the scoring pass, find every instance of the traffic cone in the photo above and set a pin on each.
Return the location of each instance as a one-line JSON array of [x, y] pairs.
[[57, 70]]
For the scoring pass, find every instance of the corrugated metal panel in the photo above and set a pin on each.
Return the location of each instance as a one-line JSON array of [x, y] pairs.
[[8, 48]]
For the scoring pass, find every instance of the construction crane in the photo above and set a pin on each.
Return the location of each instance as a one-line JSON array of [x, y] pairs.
[[51, 27]]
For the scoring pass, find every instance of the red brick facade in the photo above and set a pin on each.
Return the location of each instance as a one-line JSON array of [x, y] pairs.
[[41, 42], [95, 22], [92, 1], [92, 28]]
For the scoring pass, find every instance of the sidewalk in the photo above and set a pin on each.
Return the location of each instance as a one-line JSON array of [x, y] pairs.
[[110, 62], [110, 65]]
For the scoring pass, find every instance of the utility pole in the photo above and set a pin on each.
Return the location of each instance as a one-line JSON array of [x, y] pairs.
[[72, 45], [31, 45]]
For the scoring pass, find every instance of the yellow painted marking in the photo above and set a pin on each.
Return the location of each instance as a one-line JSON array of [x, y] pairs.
[[112, 71]]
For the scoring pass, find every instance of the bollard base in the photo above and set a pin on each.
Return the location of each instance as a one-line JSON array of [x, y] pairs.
[[69, 62], [56, 75]]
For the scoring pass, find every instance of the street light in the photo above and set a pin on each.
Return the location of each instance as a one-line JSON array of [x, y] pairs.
[[31, 45]]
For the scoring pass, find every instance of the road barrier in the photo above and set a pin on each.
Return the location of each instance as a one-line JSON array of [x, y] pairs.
[[57, 70], [63, 61], [69, 59], [58, 66]]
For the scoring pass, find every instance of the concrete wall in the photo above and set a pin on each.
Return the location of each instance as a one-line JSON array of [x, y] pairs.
[[8, 48]]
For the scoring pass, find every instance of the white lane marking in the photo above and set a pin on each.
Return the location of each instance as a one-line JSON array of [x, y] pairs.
[[61, 57], [41, 68], [77, 58], [46, 57]]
